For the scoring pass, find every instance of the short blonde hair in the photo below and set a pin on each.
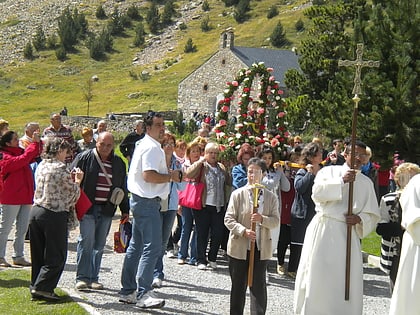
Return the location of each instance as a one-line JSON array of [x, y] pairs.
[[210, 146], [405, 172]]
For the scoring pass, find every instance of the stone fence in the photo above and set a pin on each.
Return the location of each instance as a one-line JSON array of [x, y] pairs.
[[123, 123]]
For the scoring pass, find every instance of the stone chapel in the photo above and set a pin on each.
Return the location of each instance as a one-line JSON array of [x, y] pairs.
[[203, 88]]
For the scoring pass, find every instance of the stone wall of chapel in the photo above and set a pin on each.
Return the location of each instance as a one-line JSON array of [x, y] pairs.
[[200, 90]]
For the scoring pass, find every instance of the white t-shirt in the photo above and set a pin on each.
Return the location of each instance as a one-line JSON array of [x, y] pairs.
[[148, 155]]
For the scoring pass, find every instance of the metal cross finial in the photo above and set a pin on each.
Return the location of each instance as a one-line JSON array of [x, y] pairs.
[[359, 63]]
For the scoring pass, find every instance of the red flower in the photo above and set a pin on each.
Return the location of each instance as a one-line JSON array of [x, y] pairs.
[[281, 114], [225, 109], [222, 122], [246, 89]]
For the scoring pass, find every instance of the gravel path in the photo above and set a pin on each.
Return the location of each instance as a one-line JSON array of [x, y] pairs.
[[190, 291]]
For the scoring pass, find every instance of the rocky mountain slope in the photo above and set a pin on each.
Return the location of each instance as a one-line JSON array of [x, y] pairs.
[[19, 20]]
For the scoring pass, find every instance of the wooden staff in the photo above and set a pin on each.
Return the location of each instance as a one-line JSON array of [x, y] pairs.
[[255, 188], [350, 201], [358, 64]]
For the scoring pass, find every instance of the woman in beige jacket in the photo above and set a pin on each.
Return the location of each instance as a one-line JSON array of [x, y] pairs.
[[238, 220]]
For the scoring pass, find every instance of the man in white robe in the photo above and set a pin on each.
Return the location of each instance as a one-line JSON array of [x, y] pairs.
[[320, 280], [406, 294]]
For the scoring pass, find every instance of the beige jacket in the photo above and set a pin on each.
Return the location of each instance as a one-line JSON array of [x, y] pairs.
[[238, 219]]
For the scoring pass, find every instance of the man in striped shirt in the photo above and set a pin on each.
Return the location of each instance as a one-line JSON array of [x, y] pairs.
[[96, 223]]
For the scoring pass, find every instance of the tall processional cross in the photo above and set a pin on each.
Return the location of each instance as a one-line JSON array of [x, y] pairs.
[[358, 64]]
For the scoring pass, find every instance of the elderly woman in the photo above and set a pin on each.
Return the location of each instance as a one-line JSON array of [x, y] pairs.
[[239, 177], [390, 225], [303, 208], [55, 197], [210, 217], [238, 219], [17, 194]]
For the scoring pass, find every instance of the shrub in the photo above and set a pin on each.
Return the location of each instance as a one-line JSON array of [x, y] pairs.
[[205, 24], [190, 47], [39, 40], [299, 25], [182, 26], [28, 51], [52, 41], [61, 53], [100, 13], [206, 6], [133, 13], [272, 12], [139, 38]]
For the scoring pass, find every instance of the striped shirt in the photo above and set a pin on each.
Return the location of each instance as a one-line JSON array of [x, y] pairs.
[[102, 185]]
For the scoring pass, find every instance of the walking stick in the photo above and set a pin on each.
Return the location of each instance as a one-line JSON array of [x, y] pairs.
[[359, 63], [255, 188]]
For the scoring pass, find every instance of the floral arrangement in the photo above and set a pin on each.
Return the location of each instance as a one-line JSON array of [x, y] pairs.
[[260, 121]]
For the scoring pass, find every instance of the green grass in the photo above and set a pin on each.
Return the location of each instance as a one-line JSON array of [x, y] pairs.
[[372, 244], [32, 90], [16, 299]]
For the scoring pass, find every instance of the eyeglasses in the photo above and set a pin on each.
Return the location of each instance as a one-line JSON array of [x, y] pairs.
[[167, 145]]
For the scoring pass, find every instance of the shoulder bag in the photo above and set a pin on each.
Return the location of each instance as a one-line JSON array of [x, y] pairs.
[[191, 196]]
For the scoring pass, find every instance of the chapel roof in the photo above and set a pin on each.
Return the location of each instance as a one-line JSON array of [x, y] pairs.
[[279, 60]]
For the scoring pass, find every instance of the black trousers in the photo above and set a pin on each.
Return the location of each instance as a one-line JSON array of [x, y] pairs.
[[294, 258], [238, 270], [48, 239], [208, 220], [283, 243]]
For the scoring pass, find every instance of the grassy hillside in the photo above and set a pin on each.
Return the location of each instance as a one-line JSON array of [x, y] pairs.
[[32, 90]]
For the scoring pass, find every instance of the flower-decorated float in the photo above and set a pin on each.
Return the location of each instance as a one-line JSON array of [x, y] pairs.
[[252, 111]]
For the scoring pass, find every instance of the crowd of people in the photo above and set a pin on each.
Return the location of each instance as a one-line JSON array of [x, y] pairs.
[[249, 208]]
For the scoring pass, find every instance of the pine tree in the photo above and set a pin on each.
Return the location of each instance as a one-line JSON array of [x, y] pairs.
[[189, 46], [139, 38], [152, 18], [39, 40], [168, 13], [100, 13], [28, 51], [278, 37]]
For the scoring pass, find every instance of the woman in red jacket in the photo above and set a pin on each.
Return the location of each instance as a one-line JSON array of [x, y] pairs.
[[17, 194]]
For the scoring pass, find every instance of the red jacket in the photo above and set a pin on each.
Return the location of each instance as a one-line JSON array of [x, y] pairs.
[[17, 175]]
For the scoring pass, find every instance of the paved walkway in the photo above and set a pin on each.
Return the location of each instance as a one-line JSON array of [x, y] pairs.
[[190, 291]]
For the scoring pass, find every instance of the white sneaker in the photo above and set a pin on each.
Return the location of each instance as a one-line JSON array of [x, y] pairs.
[[157, 283], [129, 299], [212, 265], [170, 254], [81, 285], [202, 267], [149, 300]]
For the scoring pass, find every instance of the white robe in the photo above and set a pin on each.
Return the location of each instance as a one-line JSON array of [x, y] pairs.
[[406, 295], [320, 280]]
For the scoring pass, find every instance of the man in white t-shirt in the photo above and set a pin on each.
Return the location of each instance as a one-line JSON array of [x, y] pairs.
[[148, 181]]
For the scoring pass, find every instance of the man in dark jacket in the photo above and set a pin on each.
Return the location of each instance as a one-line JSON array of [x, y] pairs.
[[129, 143], [95, 224]]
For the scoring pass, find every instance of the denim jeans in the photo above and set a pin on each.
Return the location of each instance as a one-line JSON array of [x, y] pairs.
[[90, 245], [187, 228], [10, 213], [145, 246], [168, 218]]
